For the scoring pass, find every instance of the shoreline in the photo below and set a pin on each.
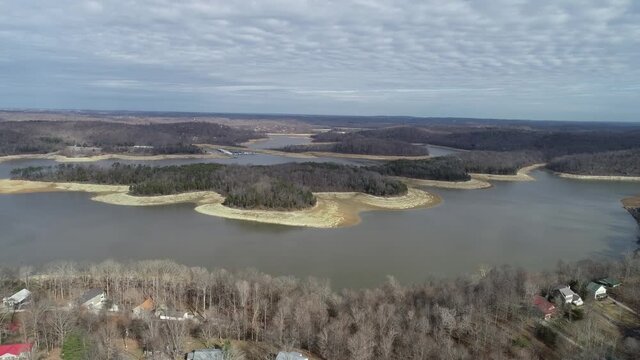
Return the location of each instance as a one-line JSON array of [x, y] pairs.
[[68, 159], [597, 177], [521, 175], [473, 184], [332, 209]]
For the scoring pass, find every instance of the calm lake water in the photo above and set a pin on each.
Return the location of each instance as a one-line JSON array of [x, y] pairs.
[[528, 224]]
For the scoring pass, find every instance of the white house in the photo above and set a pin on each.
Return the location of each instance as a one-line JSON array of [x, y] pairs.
[[598, 291], [567, 296], [93, 299], [290, 356], [17, 300]]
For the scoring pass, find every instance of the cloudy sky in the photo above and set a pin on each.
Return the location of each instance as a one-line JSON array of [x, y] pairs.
[[536, 59]]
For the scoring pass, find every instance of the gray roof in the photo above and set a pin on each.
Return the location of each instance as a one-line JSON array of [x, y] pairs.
[[20, 296], [290, 356], [206, 354], [593, 287], [90, 294], [566, 291]]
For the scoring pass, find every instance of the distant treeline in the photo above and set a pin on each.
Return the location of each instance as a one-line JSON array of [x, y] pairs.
[[22, 137], [550, 143], [356, 144], [285, 186], [613, 163], [498, 162]]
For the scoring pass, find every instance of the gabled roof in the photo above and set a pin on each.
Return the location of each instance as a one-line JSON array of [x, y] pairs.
[[593, 287], [543, 305], [147, 305], [610, 282], [90, 294], [14, 349], [566, 291], [206, 354], [290, 356], [20, 296]]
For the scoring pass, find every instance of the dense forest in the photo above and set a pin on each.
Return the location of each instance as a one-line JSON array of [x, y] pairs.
[[550, 142], [487, 316], [613, 163], [364, 146], [446, 168], [21, 137], [284, 186], [498, 162]]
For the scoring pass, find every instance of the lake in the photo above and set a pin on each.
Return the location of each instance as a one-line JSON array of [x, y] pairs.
[[528, 224]]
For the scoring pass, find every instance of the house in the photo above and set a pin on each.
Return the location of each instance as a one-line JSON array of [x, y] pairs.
[[290, 356], [93, 299], [15, 351], [598, 291], [205, 354], [609, 282], [17, 300], [566, 295], [144, 310], [546, 308], [174, 315]]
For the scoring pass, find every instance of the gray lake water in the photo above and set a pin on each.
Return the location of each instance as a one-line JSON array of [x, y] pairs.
[[528, 224]]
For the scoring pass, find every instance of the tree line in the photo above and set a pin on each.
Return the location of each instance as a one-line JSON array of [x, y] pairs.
[[612, 163], [284, 186], [487, 316], [21, 137], [356, 144]]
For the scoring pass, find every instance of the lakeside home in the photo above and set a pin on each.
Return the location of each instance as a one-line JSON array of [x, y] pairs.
[[93, 299], [609, 282], [17, 300], [290, 356], [205, 354], [566, 295], [598, 291], [544, 307], [15, 351]]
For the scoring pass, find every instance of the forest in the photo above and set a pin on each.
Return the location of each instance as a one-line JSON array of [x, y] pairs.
[[356, 144], [612, 163], [253, 315], [550, 142], [278, 187], [23, 137], [498, 162], [445, 168]]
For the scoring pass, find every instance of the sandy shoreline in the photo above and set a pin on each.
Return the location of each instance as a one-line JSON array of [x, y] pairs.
[[472, 184], [597, 177], [522, 175], [332, 209]]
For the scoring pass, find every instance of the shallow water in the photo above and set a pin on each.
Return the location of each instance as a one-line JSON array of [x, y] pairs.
[[528, 224]]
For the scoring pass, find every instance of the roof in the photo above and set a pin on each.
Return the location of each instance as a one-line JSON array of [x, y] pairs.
[[14, 349], [543, 305], [593, 287], [20, 296], [610, 282], [291, 356], [90, 294], [147, 305], [566, 291], [206, 354]]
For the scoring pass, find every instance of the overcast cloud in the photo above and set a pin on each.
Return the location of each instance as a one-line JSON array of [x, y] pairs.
[[537, 59]]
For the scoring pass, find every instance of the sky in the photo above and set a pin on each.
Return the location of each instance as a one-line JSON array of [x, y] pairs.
[[518, 59]]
